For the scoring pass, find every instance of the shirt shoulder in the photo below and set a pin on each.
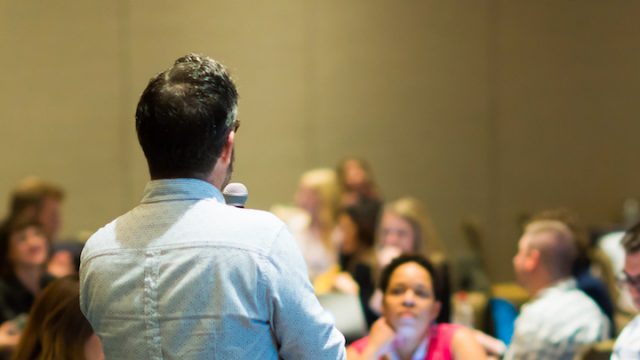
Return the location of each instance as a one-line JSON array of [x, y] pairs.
[[199, 223]]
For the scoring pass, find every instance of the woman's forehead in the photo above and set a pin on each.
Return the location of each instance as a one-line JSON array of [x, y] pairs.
[[411, 272]]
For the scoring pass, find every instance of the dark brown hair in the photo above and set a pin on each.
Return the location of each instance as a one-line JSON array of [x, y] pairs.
[[31, 193], [56, 328], [184, 116], [7, 230]]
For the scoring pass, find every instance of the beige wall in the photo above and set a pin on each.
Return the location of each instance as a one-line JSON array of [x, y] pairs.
[[485, 108], [566, 112]]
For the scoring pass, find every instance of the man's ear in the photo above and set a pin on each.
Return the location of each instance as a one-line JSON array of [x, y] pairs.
[[227, 149]]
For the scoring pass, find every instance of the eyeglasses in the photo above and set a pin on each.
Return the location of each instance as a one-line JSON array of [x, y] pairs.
[[236, 125], [628, 280]]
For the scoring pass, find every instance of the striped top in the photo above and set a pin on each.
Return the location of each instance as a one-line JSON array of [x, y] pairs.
[[556, 323]]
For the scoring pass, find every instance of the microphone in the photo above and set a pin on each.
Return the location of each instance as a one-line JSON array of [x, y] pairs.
[[235, 194]]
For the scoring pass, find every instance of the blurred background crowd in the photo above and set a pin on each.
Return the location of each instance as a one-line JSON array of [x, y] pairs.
[[347, 232], [477, 117]]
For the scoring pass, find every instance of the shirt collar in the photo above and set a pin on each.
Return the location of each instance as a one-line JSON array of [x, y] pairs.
[[180, 189], [565, 284]]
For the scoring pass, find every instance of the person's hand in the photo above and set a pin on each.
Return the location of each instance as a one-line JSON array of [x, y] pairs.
[[381, 337], [9, 335]]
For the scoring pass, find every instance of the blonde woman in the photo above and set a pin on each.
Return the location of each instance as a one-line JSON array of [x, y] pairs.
[[314, 220]]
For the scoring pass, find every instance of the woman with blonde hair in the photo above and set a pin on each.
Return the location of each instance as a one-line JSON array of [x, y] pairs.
[[313, 221], [406, 228]]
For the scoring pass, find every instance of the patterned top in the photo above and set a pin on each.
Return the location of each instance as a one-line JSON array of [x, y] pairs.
[[556, 323], [184, 276]]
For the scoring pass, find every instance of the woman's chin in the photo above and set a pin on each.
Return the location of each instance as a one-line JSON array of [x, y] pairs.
[[406, 327]]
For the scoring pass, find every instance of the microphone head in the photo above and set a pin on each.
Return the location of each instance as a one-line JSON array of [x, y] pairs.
[[235, 194]]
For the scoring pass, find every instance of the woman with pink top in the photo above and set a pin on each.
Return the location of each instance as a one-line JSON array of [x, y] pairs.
[[407, 329]]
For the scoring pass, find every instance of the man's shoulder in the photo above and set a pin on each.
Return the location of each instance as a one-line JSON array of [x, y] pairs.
[[204, 222], [552, 307]]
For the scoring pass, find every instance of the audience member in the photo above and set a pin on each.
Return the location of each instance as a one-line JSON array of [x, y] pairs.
[[37, 199], [23, 254], [407, 329], [356, 182], [57, 329], [356, 225], [34, 198], [405, 227], [560, 318], [591, 285], [627, 346], [314, 226]]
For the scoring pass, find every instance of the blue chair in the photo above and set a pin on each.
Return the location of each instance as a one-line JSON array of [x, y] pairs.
[[503, 315]]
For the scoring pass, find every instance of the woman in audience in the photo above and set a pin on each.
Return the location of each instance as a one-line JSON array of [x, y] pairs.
[[23, 255], [405, 227], [356, 182], [407, 329], [57, 329], [356, 226], [313, 224]]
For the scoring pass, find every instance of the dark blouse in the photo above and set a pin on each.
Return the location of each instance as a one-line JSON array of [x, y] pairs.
[[363, 274], [15, 298]]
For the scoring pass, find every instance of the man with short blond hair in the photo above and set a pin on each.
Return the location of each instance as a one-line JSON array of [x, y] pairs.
[[559, 318]]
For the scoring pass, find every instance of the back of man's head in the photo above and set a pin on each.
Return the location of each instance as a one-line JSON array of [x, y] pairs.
[[184, 117], [556, 244]]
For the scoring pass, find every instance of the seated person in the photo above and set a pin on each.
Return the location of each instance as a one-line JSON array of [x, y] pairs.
[[591, 285], [41, 200], [57, 329], [23, 257], [313, 221], [627, 345], [356, 228], [356, 182], [407, 329], [560, 318], [405, 227]]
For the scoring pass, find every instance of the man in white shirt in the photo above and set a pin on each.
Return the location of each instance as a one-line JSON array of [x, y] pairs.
[[627, 345], [183, 275], [559, 318]]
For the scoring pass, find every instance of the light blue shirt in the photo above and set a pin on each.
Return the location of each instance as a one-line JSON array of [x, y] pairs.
[[184, 276], [556, 323]]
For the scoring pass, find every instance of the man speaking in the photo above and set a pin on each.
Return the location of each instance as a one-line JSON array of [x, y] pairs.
[[182, 275]]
